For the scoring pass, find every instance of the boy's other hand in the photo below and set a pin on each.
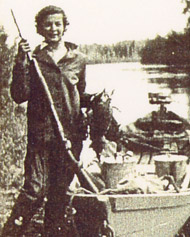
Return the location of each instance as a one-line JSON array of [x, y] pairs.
[[24, 46], [23, 50]]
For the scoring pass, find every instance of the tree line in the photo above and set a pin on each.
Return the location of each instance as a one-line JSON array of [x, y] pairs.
[[174, 49], [171, 50], [125, 51]]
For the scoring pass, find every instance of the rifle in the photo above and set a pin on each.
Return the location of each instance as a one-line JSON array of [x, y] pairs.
[[84, 177]]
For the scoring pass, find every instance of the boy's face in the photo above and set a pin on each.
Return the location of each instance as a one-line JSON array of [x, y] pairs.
[[53, 28]]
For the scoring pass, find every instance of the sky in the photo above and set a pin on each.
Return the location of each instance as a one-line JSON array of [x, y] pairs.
[[99, 21]]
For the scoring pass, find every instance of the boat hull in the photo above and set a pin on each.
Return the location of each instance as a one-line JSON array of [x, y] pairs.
[[144, 215]]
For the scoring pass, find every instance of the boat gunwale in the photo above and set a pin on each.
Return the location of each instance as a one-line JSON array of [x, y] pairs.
[[160, 194]]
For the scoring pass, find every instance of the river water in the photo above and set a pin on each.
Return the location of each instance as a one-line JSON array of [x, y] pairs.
[[132, 82]]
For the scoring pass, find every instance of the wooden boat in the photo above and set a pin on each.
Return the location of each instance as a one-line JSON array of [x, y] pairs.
[[146, 215], [163, 213], [162, 128]]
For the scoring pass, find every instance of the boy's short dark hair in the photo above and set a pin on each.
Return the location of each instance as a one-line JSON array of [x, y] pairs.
[[48, 11]]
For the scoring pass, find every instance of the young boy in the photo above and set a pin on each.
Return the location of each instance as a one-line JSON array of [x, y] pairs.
[[48, 171]]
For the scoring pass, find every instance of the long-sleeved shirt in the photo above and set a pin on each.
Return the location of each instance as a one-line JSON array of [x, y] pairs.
[[66, 83]]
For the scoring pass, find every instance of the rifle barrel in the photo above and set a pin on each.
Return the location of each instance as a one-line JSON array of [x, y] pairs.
[[14, 18]]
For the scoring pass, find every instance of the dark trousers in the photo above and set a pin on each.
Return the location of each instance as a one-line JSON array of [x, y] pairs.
[[47, 176]]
